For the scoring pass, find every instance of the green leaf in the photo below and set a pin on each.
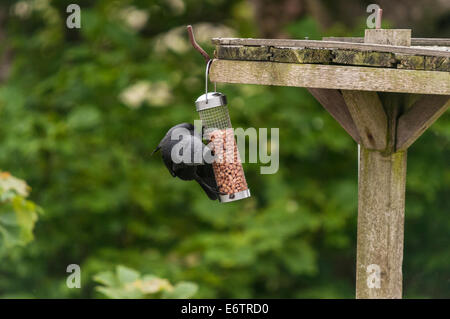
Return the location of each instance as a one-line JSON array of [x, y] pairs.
[[126, 275], [182, 290]]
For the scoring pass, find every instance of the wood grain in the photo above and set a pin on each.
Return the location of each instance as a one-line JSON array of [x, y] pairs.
[[398, 37], [381, 206], [424, 112], [369, 117], [331, 77]]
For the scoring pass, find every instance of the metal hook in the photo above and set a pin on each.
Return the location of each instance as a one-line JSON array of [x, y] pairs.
[[208, 65], [195, 44]]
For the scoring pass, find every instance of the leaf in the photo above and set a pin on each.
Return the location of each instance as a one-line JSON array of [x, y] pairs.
[[106, 278], [128, 283], [26, 217], [126, 275], [10, 183], [182, 290], [17, 215]]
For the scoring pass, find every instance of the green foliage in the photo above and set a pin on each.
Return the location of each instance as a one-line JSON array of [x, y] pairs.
[[81, 113], [127, 283], [17, 215]]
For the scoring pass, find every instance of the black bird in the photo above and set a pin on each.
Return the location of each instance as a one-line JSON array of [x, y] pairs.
[[189, 166]]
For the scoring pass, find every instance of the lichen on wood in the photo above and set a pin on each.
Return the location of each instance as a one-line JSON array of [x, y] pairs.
[[300, 55], [411, 62], [366, 58], [245, 53], [437, 63], [356, 57]]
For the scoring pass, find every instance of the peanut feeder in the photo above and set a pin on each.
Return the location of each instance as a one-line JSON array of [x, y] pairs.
[[227, 166]]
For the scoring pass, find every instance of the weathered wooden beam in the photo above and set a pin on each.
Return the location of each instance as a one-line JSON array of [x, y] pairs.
[[331, 77], [332, 56], [381, 206], [333, 102], [414, 41], [419, 117], [369, 117], [330, 45]]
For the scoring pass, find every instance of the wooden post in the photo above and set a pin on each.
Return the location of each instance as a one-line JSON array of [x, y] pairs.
[[381, 186], [381, 206]]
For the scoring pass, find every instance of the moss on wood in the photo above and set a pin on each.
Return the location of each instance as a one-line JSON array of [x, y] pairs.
[[301, 55], [366, 58], [333, 56], [246, 53], [437, 63], [411, 62]]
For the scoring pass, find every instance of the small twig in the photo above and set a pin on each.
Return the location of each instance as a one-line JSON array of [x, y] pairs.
[[195, 44], [378, 19]]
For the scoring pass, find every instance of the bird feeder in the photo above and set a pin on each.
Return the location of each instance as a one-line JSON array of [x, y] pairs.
[[213, 111], [227, 166]]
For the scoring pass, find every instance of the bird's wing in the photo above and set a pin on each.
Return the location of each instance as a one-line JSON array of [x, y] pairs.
[[205, 177]]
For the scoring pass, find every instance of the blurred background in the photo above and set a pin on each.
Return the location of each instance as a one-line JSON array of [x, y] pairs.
[[82, 109]]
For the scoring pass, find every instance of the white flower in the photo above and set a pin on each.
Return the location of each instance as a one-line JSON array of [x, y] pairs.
[[155, 94], [134, 18]]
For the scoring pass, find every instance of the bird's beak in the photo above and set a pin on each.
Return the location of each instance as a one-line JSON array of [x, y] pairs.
[[155, 150]]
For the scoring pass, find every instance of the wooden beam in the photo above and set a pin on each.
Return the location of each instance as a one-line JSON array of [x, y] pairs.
[[419, 117], [381, 206], [333, 102], [369, 118], [331, 77], [333, 56], [330, 45]]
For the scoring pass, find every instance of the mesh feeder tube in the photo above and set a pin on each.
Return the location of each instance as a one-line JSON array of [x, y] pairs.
[[227, 166]]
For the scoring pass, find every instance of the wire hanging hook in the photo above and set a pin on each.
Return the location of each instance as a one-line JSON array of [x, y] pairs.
[[208, 65], [196, 45], [204, 54]]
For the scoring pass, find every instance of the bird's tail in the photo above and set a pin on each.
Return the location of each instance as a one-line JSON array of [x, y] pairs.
[[155, 150]]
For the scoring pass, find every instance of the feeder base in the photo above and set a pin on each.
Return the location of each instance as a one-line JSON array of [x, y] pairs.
[[236, 196]]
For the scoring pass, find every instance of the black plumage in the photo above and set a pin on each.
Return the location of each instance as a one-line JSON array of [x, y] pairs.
[[189, 166]]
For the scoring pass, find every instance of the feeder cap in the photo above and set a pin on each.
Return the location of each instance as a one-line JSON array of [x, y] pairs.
[[210, 100]]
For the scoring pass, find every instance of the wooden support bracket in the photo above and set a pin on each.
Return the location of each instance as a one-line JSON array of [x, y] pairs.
[[419, 117], [333, 102], [369, 117]]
